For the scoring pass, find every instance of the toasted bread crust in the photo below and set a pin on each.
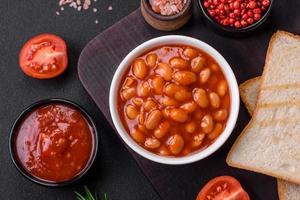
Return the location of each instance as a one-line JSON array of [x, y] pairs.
[[281, 188], [243, 87], [229, 160]]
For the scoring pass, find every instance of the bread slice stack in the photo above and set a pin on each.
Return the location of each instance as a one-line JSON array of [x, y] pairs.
[[270, 143], [249, 92]]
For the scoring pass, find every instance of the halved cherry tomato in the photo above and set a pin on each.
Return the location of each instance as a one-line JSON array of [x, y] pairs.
[[223, 188], [44, 56]]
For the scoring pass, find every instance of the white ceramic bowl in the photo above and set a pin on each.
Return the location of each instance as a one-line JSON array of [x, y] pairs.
[[168, 40]]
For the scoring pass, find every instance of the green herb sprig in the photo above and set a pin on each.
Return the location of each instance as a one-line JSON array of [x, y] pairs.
[[88, 195]]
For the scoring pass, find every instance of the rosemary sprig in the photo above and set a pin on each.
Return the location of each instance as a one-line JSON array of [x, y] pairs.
[[88, 195], [105, 196]]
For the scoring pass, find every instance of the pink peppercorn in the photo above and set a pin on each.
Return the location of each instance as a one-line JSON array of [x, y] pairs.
[[237, 24], [236, 13], [250, 20], [252, 4], [257, 17], [266, 3]]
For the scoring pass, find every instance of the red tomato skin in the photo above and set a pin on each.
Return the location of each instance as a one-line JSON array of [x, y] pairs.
[[232, 183], [58, 41]]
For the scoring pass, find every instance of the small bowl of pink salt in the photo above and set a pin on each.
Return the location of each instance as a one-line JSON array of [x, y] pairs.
[[166, 15]]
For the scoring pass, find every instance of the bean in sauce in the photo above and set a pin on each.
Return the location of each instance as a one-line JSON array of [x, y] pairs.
[[174, 100]]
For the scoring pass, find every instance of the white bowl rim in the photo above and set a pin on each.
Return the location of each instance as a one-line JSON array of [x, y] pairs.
[[175, 40]]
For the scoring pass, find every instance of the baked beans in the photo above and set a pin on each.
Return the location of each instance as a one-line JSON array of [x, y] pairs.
[[174, 100]]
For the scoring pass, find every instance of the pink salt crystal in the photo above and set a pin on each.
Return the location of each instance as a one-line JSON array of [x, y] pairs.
[[76, 3], [167, 7], [73, 5], [64, 2], [86, 4]]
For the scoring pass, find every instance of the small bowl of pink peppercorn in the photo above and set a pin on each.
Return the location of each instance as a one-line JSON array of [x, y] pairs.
[[235, 17]]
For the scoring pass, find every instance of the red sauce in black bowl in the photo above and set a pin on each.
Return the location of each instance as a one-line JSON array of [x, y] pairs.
[[53, 143]]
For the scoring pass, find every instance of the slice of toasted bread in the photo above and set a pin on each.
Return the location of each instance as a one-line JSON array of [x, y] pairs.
[[249, 91], [270, 142]]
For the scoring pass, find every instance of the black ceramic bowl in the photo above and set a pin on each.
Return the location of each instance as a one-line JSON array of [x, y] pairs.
[[14, 130], [230, 31]]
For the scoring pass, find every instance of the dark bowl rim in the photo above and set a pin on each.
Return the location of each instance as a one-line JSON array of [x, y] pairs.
[[234, 30], [163, 17], [19, 119]]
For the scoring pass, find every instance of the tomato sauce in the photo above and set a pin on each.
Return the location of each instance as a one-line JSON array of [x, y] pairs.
[[54, 142]]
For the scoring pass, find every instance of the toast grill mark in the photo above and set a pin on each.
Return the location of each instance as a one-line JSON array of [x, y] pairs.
[[281, 87], [279, 104], [277, 122]]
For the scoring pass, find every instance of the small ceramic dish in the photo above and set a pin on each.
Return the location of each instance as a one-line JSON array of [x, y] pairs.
[[230, 31], [166, 23], [15, 129], [174, 40]]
